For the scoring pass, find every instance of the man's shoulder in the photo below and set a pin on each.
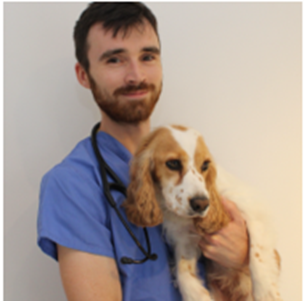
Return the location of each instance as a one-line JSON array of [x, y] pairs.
[[81, 155], [81, 164], [80, 161]]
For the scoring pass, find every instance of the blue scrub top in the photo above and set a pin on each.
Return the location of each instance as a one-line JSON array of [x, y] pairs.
[[74, 213]]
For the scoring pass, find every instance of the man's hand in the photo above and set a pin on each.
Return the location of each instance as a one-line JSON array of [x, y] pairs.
[[229, 246]]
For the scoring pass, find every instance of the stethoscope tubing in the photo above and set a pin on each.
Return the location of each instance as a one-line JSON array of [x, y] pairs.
[[104, 168]]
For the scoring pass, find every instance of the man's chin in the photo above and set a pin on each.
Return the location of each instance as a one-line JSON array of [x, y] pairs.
[[129, 108], [128, 114]]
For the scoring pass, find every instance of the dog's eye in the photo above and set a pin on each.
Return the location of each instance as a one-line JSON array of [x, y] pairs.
[[174, 164], [205, 165]]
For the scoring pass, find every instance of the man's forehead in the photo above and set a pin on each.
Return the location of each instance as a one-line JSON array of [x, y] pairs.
[[141, 29]]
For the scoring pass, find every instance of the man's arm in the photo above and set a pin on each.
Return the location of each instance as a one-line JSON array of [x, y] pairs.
[[88, 276]]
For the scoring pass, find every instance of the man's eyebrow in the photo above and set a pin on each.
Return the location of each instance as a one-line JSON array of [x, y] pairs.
[[152, 49], [111, 52]]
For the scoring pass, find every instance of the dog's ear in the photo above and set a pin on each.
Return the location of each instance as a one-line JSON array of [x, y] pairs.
[[141, 205], [216, 217]]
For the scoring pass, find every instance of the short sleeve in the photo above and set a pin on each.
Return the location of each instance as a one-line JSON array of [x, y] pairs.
[[73, 213]]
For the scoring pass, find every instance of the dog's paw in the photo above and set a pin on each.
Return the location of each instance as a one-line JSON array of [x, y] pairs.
[[192, 288]]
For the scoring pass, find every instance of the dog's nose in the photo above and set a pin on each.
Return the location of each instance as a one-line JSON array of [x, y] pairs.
[[199, 204]]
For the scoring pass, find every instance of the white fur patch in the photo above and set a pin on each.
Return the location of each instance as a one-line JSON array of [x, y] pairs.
[[193, 183], [186, 139]]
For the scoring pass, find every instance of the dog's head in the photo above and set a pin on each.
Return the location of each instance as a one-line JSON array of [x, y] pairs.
[[173, 171]]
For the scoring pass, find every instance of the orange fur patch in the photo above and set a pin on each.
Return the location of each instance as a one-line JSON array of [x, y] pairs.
[[185, 266], [193, 275], [277, 258], [180, 127], [228, 282], [179, 199]]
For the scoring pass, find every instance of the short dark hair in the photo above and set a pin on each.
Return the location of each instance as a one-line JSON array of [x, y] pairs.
[[114, 16]]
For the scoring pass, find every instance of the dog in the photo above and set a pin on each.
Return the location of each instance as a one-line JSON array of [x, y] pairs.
[[175, 181]]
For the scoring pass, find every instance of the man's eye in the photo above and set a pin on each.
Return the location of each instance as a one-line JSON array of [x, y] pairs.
[[205, 165], [148, 57], [174, 164], [113, 60]]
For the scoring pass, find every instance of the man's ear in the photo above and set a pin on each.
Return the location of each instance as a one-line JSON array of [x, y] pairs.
[[82, 76]]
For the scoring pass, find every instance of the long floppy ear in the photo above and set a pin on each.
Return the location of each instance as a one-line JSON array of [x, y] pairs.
[[216, 217], [141, 206]]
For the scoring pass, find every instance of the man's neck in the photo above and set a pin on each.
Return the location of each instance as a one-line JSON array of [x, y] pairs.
[[127, 134]]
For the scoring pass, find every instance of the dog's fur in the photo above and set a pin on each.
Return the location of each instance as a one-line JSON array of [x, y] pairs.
[[161, 190]]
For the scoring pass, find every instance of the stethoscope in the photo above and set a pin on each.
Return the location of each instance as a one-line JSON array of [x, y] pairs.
[[104, 168]]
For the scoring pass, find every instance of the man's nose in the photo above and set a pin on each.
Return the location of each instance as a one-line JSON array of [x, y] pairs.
[[134, 74]]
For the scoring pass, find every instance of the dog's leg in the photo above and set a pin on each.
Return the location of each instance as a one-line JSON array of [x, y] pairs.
[[264, 272], [190, 285]]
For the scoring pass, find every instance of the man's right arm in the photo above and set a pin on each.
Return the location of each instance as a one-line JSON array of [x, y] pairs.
[[87, 276]]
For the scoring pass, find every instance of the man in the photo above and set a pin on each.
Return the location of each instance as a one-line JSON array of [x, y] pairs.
[[118, 53]]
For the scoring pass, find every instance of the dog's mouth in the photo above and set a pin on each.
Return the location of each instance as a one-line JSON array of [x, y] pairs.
[[187, 214], [200, 214]]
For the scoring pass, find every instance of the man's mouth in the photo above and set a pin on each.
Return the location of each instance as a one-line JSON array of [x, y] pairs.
[[138, 91], [135, 94]]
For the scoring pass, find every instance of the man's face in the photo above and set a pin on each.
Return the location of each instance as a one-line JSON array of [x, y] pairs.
[[125, 72]]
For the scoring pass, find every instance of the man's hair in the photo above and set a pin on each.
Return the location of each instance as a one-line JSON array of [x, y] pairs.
[[115, 16]]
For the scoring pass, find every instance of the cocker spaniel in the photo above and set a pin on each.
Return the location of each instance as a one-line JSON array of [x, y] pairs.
[[174, 181]]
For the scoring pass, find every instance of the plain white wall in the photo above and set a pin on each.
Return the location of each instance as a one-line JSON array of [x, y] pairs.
[[231, 70]]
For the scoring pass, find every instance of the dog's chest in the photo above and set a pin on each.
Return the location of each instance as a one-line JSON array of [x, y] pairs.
[[178, 232]]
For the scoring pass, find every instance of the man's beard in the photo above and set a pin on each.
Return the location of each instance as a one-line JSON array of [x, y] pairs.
[[133, 111]]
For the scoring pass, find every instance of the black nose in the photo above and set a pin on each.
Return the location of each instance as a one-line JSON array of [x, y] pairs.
[[199, 203]]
